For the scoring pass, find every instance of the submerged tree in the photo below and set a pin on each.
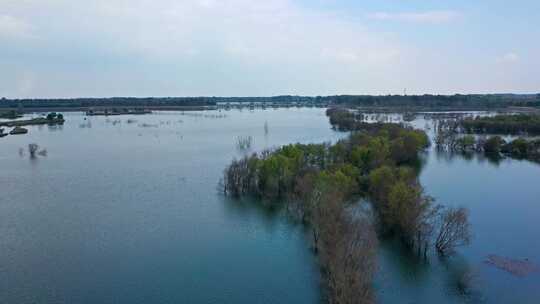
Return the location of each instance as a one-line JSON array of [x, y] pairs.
[[454, 230], [33, 149], [244, 142], [378, 160], [347, 246], [493, 145]]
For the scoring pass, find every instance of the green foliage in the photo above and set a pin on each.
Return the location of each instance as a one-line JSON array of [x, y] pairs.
[[319, 179], [380, 182], [12, 114], [343, 180], [361, 157], [402, 202], [518, 148], [493, 145], [466, 143], [405, 148], [276, 174]]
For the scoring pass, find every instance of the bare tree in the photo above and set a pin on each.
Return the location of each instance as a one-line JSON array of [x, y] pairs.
[[244, 142], [347, 245], [32, 149], [454, 230], [266, 128]]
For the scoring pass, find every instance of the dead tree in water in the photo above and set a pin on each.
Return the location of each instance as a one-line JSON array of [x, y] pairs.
[[244, 142], [32, 149], [453, 231], [447, 131], [237, 178]]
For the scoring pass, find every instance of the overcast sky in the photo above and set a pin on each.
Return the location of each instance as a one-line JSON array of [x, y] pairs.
[[100, 48]]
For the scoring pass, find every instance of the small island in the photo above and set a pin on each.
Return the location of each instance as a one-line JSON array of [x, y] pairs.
[[18, 130], [51, 119]]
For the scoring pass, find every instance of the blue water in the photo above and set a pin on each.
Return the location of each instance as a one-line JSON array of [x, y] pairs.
[[129, 212], [122, 213]]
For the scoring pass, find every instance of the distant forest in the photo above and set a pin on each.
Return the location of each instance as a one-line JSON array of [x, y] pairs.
[[475, 101]]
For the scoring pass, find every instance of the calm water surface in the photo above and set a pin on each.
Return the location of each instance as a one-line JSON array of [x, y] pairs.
[[128, 212]]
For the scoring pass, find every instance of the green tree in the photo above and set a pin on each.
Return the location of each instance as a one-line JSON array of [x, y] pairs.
[[493, 145]]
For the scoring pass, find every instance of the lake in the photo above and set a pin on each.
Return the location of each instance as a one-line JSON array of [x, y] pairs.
[[126, 209]]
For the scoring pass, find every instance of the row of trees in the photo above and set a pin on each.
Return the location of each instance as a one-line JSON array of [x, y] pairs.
[[471, 101], [106, 102], [476, 101], [449, 137], [407, 212], [53, 116], [317, 180], [503, 124]]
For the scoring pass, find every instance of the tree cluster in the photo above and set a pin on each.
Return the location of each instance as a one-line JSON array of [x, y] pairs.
[[471, 101], [375, 161], [503, 124], [53, 116], [449, 139]]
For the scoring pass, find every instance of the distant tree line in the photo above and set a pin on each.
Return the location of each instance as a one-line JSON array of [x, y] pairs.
[[438, 101], [11, 114], [318, 181], [106, 102], [397, 101]]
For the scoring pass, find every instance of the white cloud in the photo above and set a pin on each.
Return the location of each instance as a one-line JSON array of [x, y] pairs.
[[231, 47], [13, 27], [417, 17], [232, 41], [508, 58]]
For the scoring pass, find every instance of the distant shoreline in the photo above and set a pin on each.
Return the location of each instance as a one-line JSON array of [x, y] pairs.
[[84, 109], [372, 109], [401, 103]]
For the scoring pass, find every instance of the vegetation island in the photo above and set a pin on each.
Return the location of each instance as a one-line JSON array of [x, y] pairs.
[[322, 185], [503, 124], [17, 125], [51, 119], [467, 135]]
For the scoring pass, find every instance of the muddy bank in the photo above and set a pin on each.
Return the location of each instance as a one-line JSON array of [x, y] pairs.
[[520, 268]]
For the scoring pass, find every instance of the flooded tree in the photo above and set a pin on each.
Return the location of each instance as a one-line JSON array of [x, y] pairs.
[[42, 152], [503, 124], [453, 231], [240, 177], [345, 241], [244, 142], [321, 182], [446, 136], [493, 145], [33, 149], [347, 254]]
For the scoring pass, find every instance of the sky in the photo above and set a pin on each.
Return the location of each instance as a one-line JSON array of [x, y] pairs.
[[104, 48]]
